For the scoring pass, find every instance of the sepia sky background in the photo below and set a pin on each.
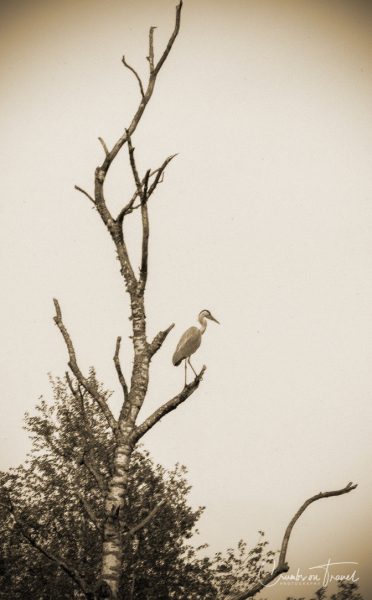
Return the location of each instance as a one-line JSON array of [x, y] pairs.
[[264, 218]]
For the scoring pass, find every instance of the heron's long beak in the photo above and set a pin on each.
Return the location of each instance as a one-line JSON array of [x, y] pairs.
[[212, 319]]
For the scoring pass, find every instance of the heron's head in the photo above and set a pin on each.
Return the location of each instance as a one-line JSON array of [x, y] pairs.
[[205, 314]]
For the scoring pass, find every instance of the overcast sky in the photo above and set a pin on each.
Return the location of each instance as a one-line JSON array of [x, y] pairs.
[[264, 218]]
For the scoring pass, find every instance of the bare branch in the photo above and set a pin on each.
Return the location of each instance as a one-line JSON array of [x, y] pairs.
[[104, 146], [171, 40], [283, 567], [53, 557], [150, 57], [159, 172], [129, 208], [145, 237], [119, 371], [158, 340], [133, 166], [102, 171], [145, 521], [90, 512], [288, 531], [84, 192], [167, 407], [136, 74], [78, 374]]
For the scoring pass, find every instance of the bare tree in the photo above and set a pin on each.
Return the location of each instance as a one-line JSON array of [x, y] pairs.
[[125, 431]]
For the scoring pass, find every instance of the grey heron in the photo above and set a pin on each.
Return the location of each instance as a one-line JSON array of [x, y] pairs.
[[191, 340]]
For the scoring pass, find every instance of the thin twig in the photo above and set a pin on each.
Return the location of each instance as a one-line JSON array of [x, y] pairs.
[[136, 74], [84, 192], [160, 172], [133, 167], [104, 146], [171, 40], [130, 207]]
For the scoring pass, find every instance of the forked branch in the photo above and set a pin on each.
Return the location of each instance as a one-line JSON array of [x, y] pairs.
[[146, 97], [159, 172], [167, 408], [130, 207], [283, 567]]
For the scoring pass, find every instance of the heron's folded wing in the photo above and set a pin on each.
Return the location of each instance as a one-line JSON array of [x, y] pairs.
[[188, 344]]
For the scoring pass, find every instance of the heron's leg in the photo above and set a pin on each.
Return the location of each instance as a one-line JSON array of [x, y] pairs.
[[192, 367], [185, 371]]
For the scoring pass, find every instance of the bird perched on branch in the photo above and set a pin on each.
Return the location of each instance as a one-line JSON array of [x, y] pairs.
[[191, 340]]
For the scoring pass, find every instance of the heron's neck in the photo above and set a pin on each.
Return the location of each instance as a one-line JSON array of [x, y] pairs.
[[203, 323]]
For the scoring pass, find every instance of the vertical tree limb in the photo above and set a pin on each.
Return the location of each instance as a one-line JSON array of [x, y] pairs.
[[119, 371], [145, 238]]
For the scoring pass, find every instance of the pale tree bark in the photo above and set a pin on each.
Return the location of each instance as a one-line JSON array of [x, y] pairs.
[[125, 430]]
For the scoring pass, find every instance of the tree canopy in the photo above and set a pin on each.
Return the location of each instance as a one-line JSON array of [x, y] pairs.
[[51, 506]]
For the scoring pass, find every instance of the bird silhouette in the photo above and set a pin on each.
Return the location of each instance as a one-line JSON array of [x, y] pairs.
[[191, 340]]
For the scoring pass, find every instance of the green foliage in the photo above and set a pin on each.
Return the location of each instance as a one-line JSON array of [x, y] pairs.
[[56, 497]]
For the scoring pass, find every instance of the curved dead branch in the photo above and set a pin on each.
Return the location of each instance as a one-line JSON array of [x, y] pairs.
[[283, 567]]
